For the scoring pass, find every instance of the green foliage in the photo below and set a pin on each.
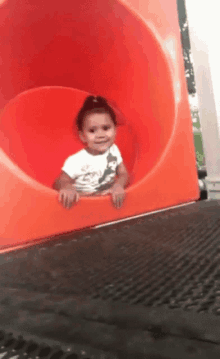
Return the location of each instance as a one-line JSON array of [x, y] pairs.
[[195, 118], [189, 73], [186, 47], [200, 158]]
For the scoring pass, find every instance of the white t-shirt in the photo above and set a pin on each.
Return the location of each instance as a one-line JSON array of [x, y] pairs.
[[93, 173]]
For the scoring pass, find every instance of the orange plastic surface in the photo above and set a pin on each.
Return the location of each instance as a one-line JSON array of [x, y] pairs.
[[54, 55]]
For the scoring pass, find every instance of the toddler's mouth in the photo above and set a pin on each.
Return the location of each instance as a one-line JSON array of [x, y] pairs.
[[101, 142]]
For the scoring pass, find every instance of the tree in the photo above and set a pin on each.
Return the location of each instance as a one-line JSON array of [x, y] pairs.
[[188, 62]]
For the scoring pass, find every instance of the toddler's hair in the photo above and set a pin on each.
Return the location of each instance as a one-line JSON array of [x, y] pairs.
[[94, 104]]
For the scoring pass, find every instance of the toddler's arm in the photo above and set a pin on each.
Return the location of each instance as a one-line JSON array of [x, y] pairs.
[[117, 190], [67, 192]]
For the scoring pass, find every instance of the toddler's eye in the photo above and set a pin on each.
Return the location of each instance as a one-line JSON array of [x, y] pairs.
[[106, 128], [91, 130]]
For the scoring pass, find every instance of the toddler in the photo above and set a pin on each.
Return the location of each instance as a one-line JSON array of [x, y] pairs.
[[98, 169]]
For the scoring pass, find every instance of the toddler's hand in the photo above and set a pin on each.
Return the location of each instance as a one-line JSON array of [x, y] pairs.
[[118, 195], [67, 196]]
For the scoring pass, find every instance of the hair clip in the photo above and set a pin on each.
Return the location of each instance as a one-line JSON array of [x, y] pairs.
[[95, 99]]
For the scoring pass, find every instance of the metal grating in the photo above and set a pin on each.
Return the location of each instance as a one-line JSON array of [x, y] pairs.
[[19, 348], [167, 259], [157, 347], [152, 274]]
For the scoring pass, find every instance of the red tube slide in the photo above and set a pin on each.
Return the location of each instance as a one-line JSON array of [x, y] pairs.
[[53, 55]]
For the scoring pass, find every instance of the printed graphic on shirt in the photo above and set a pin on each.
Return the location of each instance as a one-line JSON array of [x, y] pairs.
[[89, 176], [109, 173]]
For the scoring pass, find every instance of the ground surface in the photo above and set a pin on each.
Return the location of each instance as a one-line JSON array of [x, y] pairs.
[[144, 288]]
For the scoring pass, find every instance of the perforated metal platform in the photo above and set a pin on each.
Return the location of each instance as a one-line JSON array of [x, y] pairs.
[[143, 288]]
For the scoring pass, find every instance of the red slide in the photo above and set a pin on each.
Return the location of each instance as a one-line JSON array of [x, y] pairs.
[[53, 54]]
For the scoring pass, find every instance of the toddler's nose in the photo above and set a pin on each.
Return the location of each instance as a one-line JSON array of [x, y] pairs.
[[101, 133]]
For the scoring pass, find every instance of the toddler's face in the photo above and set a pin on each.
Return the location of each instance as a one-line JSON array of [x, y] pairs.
[[98, 132]]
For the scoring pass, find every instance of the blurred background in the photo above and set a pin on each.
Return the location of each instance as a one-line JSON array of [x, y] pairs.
[[193, 100]]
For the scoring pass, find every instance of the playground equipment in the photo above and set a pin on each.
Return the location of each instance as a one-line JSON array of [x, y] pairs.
[[53, 56]]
